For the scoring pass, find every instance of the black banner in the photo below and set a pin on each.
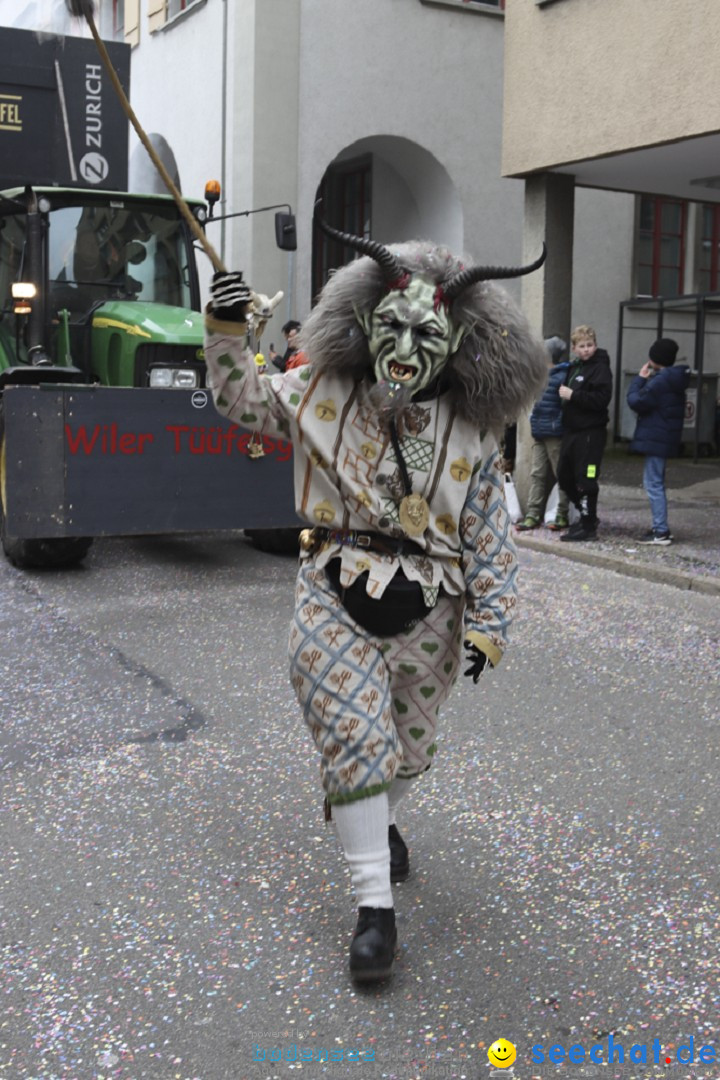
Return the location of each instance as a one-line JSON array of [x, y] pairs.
[[100, 461], [60, 120]]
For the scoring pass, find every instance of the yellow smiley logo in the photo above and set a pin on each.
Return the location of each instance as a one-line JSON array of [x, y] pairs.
[[502, 1054]]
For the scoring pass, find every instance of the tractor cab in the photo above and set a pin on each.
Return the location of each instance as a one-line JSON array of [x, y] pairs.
[[109, 285]]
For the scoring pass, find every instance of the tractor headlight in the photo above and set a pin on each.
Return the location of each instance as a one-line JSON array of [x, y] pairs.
[[186, 379], [162, 377], [173, 378]]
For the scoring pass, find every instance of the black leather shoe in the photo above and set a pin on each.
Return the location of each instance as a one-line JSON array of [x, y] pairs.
[[399, 857], [584, 529], [372, 951]]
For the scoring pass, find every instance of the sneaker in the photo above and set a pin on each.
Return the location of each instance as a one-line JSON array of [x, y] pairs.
[[574, 530], [653, 536], [560, 522], [580, 531], [527, 523]]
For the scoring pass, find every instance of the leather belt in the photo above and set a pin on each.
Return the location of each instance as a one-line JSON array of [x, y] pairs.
[[312, 539]]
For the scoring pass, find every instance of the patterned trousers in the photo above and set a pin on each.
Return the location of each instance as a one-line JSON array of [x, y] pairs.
[[371, 703]]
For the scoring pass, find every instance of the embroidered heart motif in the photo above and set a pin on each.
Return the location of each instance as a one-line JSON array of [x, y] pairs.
[[409, 669], [431, 749], [450, 624], [400, 706], [430, 647], [447, 668], [427, 691], [417, 732]]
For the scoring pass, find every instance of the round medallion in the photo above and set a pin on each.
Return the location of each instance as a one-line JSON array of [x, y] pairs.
[[414, 514]]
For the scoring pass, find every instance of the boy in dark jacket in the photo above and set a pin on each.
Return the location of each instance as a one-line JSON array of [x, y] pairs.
[[546, 427], [586, 396], [657, 395]]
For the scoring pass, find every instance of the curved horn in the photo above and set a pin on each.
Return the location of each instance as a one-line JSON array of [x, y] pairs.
[[464, 278], [391, 268]]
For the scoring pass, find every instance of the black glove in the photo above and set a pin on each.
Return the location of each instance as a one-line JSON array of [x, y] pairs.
[[477, 660], [230, 297]]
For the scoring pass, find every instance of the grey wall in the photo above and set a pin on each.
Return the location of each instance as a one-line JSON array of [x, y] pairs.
[[429, 76]]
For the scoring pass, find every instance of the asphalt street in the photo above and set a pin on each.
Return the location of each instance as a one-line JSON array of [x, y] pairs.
[[173, 906]]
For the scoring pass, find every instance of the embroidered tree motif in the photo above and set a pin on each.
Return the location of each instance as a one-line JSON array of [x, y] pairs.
[[362, 652], [347, 773], [321, 705], [369, 698], [371, 748], [341, 680], [507, 603], [349, 727], [484, 496], [310, 659], [332, 753], [310, 612], [467, 526]]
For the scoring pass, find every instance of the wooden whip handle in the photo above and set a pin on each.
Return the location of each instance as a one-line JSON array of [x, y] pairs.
[[182, 206]]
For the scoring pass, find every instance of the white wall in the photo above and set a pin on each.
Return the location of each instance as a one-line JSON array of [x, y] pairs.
[[602, 261], [432, 76]]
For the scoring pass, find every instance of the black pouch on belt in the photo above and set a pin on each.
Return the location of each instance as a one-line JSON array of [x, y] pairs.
[[399, 608]]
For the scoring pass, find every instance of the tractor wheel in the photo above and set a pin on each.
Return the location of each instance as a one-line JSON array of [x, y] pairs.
[[275, 541], [47, 554]]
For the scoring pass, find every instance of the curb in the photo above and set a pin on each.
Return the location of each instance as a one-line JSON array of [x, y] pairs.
[[676, 578]]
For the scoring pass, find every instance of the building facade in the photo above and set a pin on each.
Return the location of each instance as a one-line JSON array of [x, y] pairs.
[[621, 98]]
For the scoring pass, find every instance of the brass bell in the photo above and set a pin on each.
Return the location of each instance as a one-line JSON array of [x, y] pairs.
[[306, 539]]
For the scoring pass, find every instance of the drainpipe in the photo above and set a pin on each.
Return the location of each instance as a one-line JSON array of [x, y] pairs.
[[223, 126]]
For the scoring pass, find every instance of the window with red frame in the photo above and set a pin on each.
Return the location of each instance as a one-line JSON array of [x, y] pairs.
[[346, 193], [661, 246], [118, 19], [111, 20], [708, 277]]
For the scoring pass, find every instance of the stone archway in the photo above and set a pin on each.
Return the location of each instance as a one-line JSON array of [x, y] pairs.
[[411, 196]]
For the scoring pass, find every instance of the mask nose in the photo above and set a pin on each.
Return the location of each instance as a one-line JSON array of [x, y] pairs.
[[405, 345]]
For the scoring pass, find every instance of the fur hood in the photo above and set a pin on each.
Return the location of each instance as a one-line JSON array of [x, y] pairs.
[[495, 375]]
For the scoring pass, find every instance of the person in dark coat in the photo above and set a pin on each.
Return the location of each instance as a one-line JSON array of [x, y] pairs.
[[657, 395], [546, 427], [586, 396]]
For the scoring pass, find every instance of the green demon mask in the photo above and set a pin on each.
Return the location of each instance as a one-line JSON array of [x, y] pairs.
[[410, 336], [411, 332]]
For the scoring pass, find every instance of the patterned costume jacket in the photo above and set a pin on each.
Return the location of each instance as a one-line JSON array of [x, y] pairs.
[[347, 477]]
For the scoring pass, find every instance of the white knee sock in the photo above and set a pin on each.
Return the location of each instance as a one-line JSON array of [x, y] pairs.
[[363, 830], [398, 790]]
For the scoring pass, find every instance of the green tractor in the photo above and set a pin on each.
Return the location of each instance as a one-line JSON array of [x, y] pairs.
[[106, 425]]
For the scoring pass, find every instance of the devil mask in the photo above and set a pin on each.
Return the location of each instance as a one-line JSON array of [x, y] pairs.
[[406, 316]]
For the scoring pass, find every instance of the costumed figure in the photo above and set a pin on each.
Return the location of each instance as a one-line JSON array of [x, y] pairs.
[[416, 363]]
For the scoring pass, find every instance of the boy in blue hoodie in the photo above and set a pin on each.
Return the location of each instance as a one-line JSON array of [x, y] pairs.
[[657, 395]]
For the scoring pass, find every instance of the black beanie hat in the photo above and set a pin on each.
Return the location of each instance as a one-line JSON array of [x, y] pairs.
[[663, 351]]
